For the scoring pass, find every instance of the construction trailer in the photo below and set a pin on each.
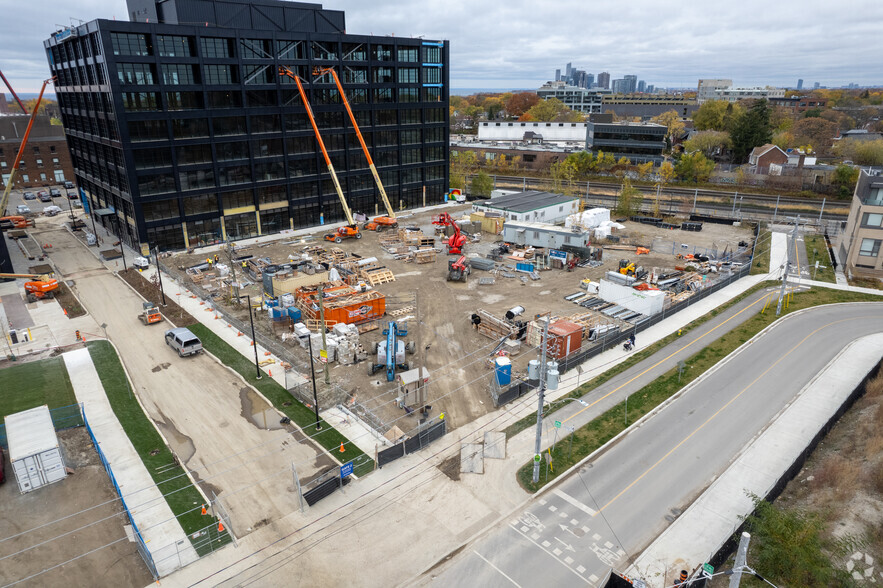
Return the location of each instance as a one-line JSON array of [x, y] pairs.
[[534, 206], [34, 451], [534, 234]]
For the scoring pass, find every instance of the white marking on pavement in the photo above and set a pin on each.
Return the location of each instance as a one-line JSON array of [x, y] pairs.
[[567, 497], [543, 547], [502, 573]]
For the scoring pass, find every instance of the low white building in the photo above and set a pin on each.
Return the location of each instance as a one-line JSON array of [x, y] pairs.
[[533, 132], [542, 235], [734, 94], [544, 207]]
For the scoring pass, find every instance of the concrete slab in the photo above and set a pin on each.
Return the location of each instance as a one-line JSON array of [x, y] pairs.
[[17, 315], [495, 445], [150, 511], [471, 458], [713, 517], [354, 429]]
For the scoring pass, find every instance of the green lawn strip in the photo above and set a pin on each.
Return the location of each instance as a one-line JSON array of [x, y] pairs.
[[180, 493], [28, 385], [761, 262], [634, 359], [600, 430], [825, 273], [329, 438]]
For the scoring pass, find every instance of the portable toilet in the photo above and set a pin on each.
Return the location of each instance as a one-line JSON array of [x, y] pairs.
[[33, 449], [503, 371]]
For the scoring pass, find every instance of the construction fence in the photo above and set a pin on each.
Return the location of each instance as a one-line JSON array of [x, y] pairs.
[[65, 417], [421, 439]]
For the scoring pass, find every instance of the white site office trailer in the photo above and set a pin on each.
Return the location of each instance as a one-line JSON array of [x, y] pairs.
[[33, 449]]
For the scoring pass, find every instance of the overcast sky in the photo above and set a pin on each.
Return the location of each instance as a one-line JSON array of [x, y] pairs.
[[519, 44]]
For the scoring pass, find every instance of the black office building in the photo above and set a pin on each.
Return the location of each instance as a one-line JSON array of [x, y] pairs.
[[183, 133]]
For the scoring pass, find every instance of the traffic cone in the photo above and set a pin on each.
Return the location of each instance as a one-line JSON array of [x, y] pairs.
[[270, 372], [220, 526], [204, 511], [341, 448]]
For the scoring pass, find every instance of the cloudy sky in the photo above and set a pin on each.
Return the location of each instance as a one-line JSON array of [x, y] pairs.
[[519, 44]]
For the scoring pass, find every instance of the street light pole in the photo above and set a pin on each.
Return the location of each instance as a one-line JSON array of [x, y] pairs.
[[159, 274], [313, 377], [254, 341], [538, 446], [120, 237]]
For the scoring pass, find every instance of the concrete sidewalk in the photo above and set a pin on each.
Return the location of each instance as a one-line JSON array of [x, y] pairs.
[[701, 531], [153, 517]]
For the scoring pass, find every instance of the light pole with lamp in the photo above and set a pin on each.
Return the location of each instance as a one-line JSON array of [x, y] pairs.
[[254, 341], [120, 237]]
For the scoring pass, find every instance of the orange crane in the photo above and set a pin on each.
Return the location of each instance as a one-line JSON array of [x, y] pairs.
[[43, 286], [4, 201], [380, 222], [351, 230]]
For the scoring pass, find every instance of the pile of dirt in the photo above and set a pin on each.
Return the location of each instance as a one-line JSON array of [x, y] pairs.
[[148, 290], [68, 301]]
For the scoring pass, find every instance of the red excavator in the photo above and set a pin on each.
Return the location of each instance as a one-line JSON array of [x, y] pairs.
[[458, 269], [455, 242], [42, 287]]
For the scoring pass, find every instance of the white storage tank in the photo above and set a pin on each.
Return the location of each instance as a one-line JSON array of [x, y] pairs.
[[33, 449]]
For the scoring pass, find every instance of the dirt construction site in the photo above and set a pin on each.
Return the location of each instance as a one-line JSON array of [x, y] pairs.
[[463, 325]]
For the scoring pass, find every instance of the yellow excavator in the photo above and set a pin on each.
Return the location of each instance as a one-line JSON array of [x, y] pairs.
[[378, 223], [351, 230]]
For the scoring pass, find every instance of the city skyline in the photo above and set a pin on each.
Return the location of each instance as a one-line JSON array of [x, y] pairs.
[[673, 48]]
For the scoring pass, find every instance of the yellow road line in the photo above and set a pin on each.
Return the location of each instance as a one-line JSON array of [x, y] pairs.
[[721, 409], [762, 299]]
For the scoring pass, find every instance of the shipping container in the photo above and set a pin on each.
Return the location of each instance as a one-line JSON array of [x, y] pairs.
[[565, 338], [33, 449]]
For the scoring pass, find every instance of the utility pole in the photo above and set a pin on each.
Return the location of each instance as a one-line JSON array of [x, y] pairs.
[[313, 378], [741, 560], [322, 330], [420, 349], [159, 275], [254, 341], [538, 448], [787, 267]]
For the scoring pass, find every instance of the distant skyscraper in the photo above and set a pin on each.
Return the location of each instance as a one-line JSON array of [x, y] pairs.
[[604, 80], [590, 80], [642, 86], [568, 70], [557, 75], [631, 84], [620, 86], [650, 88], [800, 84], [815, 86]]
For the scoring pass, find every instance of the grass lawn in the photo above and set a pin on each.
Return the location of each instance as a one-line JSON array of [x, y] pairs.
[[32, 384], [329, 438], [817, 244], [593, 435], [183, 498], [761, 263]]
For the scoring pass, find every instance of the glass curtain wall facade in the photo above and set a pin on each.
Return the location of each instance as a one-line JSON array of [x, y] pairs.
[[189, 135]]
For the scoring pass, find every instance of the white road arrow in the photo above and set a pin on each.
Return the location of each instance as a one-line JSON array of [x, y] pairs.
[[567, 546]]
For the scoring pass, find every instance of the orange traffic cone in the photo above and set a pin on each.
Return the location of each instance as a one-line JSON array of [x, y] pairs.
[[220, 526], [271, 372], [204, 511], [341, 448]]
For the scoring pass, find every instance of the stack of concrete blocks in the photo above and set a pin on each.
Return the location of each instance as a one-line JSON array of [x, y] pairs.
[[330, 345], [347, 337]]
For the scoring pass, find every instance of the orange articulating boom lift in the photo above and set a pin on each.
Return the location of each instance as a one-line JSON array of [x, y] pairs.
[[43, 286], [380, 222], [352, 229]]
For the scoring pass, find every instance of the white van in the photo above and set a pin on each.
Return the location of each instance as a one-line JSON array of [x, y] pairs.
[[183, 341]]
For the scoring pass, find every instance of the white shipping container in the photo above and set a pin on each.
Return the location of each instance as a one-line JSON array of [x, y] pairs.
[[33, 449], [647, 302]]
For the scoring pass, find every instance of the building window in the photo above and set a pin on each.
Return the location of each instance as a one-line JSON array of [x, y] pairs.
[[203, 232], [231, 151], [432, 54], [409, 54], [382, 95], [382, 52], [355, 52], [266, 148], [273, 221], [187, 155], [255, 48], [408, 95], [870, 247], [269, 171], [166, 238], [156, 184], [229, 125], [872, 220], [196, 179], [189, 128], [241, 226], [59, 176], [55, 162], [174, 46], [237, 199], [435, 115], [216, 75], [410, 137], [184, 100], [324, 50], [179, 74], [355, 75], [411, 156], [287, 50], [36, 150], [130, 44], [383, 75], [432, 75], [225, 99], [266, 123], [410, 117], [212, 48], [201, 204], [141, 101], [135, 73], [39, 163], [51, 149], [384, 118], [228, 176], [408, 75], [151, 158], [42, 177]]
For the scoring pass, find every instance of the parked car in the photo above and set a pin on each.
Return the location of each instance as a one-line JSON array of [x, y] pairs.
[[72, 195], [183, 341], [69, 186], [44, 197], [30, 196], [55, 192], [22, 209]]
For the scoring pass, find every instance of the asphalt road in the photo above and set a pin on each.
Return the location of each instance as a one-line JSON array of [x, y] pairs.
[[210, 418], [800, 267], [610, 509]]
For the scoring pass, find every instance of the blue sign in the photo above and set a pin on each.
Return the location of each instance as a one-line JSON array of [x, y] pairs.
[[346, 470], [554, 253]]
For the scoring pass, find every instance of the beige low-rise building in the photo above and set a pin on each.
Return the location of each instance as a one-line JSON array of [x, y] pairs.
[[861, 243]]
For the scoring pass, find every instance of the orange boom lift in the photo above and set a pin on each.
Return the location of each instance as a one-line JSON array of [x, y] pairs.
[[351, 230]]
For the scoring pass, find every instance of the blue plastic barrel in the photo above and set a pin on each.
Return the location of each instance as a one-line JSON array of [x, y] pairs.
[[503, 371]]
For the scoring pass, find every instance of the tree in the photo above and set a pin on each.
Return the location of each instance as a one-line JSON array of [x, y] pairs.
[[520, 103], [815, 131], [860, 152], [716, 115], [671, 120], [583, 162], [563, 173], [644, 170], [708, 142], [694, 167], [784, 140], [629, 202], [781, 118], [845, 177], [482, 184], [552, 110], [604, 161], [463, 163], [493, 107], [666, 172], [751, 130], [29, 104]]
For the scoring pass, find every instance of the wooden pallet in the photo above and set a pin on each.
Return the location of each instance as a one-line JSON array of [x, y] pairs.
[[401, 311], [425, 255], [379, 276], [367, 327]]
